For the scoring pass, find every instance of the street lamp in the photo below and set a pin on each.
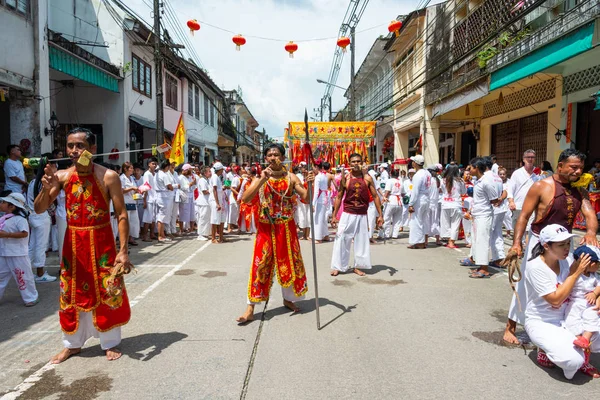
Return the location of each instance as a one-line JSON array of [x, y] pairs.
[[329, 83], [54, 124]]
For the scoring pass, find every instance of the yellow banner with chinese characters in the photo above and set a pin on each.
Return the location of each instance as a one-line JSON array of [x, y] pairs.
[[333, 131], [176, 153]]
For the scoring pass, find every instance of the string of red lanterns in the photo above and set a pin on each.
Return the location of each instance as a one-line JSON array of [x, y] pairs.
[[292, 47]]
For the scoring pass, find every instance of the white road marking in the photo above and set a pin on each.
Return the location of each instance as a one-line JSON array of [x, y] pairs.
[[37, 375]]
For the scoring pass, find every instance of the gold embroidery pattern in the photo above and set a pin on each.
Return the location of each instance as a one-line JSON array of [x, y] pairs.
[[95, 213]]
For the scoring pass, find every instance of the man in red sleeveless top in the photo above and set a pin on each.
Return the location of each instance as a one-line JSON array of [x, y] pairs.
[[89, 306], [353, 226], [276, 248], [554, 201]]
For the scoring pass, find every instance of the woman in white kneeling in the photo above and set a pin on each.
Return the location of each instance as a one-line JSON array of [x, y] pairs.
[[549, 281]]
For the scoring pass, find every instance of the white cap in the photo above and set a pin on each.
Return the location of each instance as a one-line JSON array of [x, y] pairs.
[[302, 163], [419, 159], [384, 165], [411, 171], [217, 166], [554, 233], [16, 199]]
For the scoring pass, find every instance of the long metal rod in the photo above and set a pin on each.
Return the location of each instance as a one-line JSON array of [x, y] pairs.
[[312, 230], [103, 154]]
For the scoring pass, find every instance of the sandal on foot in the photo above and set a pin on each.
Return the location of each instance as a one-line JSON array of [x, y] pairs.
[[479, 275], [590, 370], [467, 262]]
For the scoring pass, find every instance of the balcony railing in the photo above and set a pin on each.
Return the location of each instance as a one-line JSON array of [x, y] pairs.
[[443, 86], [581, 14]]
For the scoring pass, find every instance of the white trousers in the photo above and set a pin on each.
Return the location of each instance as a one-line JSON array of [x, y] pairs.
[[39, 226], [203, 220], [417, 223], [53, 243], [468, 229], [134, 223], [320, 216], [20, 269], [372, 218], [252, 227], [557, 342], [186, 212], [86, 330], [496, 238], [508, 221], [392, 220], [450, 223], [217, 217], [234, 213], [302, 215], [351, 228], [61, 225], [164, 207], [405, 215], [150, 213], [174, 215], [433, 220], [287, 293], [482, 228]]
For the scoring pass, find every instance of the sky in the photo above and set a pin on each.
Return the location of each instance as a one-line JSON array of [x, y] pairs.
[[277, 88]]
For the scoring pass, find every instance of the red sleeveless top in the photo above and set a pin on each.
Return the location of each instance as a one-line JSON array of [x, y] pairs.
[[563, 208], [357, 196]]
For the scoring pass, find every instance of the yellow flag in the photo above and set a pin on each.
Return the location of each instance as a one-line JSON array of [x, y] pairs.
[[176, 152]]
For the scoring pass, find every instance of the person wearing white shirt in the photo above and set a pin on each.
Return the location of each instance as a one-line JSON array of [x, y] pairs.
[[383, 172], [320, 202], [39, 225], [407, 187], [14, 258], [164, 202], [234, 206], [520, 182], [129, 188], [138, 180], [203, 208], [187, 209], [452, 190], [549, 282], [500, 209], [506, 186], [217, 211], [432, 225], [150, 196], [176, 197], [392, 214], [13, 170], [418, 205], [485, 195], [303, 209], [495, 165], [61, 221]]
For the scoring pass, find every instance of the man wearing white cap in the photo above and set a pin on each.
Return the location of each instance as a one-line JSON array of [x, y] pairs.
[[203, 204], [383, 171], [392, 214], [418, 205], [320, 203], [303, 209], [217, 211]]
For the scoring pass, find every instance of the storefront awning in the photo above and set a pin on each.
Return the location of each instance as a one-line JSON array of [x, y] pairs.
[[460, 99], [549, 55], [146, 123], [76, 67]]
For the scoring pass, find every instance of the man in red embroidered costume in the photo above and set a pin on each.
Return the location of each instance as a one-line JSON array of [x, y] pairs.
[[86, 307], [276, 248], [356, 191], [554, 200]]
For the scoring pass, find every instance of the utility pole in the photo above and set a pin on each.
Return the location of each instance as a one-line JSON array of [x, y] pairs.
[[352, 112], [330, 112], [160, 123], [321, 108]]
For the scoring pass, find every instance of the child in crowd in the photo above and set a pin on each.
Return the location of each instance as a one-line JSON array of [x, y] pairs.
[[14, 248], [582, 320]]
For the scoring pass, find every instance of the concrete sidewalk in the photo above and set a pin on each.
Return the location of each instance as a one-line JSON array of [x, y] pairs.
[[415, 327]]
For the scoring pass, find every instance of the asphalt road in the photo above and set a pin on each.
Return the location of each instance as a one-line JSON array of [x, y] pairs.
[[415, 327]]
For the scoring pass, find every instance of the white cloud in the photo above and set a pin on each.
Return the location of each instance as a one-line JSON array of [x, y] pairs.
[[276, 88]]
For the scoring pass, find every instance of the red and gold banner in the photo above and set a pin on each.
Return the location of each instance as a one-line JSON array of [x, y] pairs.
[[331, 141]]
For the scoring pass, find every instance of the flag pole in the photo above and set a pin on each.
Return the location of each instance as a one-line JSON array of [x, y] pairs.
[[312, 221]]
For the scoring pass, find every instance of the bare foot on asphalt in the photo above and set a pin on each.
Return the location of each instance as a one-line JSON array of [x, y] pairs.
[[334, 272], [510, 338], [291, 306], [247, 316], [358, 272], [113, 354], [63, 355]]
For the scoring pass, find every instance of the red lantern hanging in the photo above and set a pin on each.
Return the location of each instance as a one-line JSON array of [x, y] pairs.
[[291, 47], [239, 40], [395, 27], [343, 42], [193, 25]]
